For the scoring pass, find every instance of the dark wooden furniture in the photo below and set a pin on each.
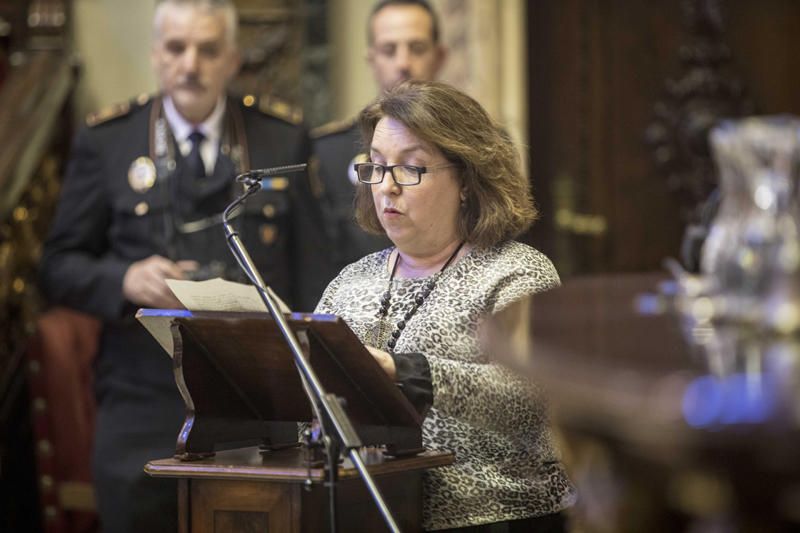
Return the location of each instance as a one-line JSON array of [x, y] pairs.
[[239, 382], [621, 93], [243, 490], [238, 379], [662, 434]]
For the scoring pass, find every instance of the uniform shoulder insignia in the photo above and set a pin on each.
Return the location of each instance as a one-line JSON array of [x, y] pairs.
[[275, 107], [335, 126], [116, 110], [143, 98]]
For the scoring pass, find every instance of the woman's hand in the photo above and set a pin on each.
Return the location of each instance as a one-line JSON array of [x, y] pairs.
[[385, 360]]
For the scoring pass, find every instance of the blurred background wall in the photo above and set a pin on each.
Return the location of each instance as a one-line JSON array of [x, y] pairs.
[[112, 40]]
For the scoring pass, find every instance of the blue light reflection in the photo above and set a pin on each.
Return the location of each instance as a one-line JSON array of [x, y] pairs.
[[729, 400]]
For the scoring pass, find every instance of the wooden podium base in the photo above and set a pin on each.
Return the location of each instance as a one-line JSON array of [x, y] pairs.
[[245, 491]]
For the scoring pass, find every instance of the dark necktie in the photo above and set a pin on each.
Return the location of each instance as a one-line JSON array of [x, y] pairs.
[[194, 162]]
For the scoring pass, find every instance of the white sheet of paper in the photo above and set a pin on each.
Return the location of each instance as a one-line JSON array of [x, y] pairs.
[[220, 295], [158, 326], [211, 295]]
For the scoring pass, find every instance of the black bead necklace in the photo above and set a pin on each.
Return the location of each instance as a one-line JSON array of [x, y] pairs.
[[386, 301]]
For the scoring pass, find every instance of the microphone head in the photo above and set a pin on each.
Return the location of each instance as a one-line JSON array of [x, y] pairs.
[[254, 176]]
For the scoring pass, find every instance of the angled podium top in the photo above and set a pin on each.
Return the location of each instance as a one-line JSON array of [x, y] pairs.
[[238, 379]]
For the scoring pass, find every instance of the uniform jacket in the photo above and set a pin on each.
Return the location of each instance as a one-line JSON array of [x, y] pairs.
[[337, 146], [103, 224]]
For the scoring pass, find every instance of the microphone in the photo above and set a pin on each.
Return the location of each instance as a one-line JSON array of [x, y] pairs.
[[260, 177]]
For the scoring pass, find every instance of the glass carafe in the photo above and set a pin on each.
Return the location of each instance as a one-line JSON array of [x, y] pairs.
[[751, 256]]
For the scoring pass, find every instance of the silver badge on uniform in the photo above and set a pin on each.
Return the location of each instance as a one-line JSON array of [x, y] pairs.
[[142, 174], [351, 172]]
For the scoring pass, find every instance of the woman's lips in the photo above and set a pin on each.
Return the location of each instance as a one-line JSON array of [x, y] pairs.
[[391, 211]]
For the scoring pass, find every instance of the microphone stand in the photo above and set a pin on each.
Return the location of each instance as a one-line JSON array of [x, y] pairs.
[[329, 405]]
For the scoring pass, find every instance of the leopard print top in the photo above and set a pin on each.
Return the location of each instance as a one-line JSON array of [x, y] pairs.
[[506, 467]]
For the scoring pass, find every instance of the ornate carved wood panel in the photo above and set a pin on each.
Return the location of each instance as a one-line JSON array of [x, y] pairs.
[[600, 75], [284, 50]]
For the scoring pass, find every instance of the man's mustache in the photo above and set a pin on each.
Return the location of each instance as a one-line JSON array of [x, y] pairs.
[[191, 82]]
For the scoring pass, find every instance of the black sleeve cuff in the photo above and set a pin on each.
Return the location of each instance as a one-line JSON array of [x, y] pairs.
[[413, 377]]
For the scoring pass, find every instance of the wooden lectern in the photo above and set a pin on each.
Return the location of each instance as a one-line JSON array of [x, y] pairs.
[[244, 490], [238, 379]]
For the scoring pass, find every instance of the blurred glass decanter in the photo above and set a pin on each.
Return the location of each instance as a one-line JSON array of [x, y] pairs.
[[751, 257]]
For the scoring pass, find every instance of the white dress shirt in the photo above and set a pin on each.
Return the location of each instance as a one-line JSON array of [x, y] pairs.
[[210, 127]]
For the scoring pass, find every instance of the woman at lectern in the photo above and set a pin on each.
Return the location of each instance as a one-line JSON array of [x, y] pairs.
[[444, 183]]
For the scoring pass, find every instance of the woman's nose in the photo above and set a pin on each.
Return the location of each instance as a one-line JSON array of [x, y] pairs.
[[388, 185]]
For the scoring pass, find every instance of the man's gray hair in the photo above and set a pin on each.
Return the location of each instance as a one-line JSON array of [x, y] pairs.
[[226, 6]]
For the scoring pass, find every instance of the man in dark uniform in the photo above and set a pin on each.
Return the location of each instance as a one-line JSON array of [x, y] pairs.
[[141, 201], [403, 40]]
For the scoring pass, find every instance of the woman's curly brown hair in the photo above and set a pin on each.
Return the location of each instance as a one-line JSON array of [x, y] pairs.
[[499, 205]]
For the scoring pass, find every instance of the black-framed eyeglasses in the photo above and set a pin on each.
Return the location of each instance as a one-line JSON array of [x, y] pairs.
[[403, 175]]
